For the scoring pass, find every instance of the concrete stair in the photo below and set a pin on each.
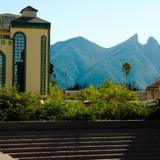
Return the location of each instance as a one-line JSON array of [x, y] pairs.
[[130, 142]]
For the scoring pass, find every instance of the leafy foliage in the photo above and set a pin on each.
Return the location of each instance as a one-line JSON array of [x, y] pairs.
[[109, 101], [112, 101], [108, 93], [56, 93], [17, 106], [77, 86], [126, 68], [132, 86], [121, 111]]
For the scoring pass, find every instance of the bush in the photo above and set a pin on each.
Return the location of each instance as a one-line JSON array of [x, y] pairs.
[[56, 93], [50, 110], [112, 101], [109, 93], [106, 102], [17, 106], [119, 111], [76, 111]]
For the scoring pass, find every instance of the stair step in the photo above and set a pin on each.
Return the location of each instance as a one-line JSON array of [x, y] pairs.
[[84, 144], [63, 148], [58, 153], [65, 143], [52, 135], [95, 156], [77, 139], [81, 152], [73, 157]]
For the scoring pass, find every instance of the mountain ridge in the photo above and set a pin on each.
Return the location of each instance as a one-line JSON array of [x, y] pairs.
[[79, 60]]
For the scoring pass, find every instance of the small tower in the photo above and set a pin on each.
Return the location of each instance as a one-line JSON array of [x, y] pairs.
[[29, 12]]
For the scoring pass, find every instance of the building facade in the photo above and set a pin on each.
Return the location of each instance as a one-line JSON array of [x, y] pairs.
[[24, 51]]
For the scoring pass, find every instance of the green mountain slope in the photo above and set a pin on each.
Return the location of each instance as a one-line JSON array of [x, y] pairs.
[[80, 61]]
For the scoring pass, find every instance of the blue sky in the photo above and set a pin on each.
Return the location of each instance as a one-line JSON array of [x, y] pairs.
[[105, 22]]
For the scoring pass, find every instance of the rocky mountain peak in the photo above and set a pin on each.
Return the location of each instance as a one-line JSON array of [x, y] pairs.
[[134, 38], [152, 41]]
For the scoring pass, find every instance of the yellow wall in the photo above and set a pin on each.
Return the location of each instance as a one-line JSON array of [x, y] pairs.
[[7, 50], [29, 13], [4, 32], [33, 57]]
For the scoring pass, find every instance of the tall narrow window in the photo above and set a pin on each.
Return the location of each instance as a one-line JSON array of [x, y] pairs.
[[2, 69], [43, 65], [19, 61]]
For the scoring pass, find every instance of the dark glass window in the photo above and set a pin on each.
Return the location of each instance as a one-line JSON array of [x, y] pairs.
[[2, 69], [6, 36], [43, 64], [19, 61], [7, 19]]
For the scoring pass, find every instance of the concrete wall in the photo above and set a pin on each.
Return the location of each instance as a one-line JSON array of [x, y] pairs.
[[77, 125]]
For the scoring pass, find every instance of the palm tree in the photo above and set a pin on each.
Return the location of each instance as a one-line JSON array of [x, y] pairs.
[[126, 68]]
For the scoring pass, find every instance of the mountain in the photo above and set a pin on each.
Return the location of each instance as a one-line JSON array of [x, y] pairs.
[[72, 58], [78, 60]]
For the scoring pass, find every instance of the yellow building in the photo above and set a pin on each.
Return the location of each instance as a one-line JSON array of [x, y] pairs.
[[24, 51]]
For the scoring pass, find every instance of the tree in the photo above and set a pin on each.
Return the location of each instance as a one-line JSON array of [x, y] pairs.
[[126, 68], [77, 87], [52, 74]]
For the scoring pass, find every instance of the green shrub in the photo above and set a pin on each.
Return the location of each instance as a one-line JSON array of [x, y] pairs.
[[112, 101], [50, 110], [56, 93], [76, 111], [108, 93], [17, 106], [119, 111], [106, 102]]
